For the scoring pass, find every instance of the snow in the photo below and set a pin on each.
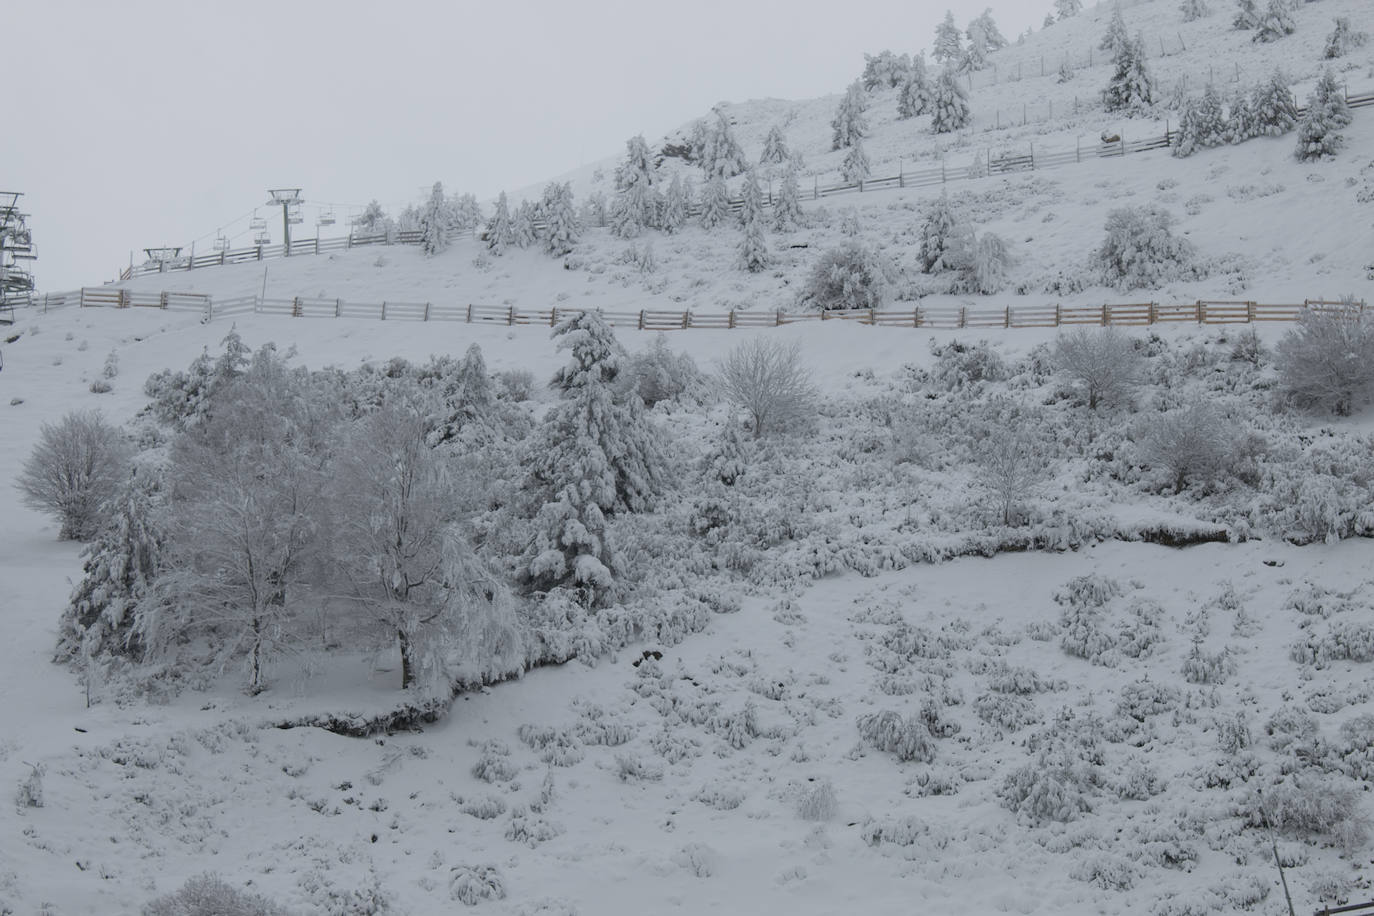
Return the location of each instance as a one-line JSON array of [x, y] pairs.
[[729, 733]]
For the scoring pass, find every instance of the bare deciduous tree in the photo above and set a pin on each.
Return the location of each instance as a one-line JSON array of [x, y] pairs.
[[76, 465], [1196, 442], [1327, 361], [766, 379], [1103, 362]]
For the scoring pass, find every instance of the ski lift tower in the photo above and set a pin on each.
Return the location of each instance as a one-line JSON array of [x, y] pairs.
[[16, 245], [288, 199]]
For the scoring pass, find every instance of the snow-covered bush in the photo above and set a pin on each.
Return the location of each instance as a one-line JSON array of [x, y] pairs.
[[1343, 39], [211, 895], [1142, 699], [850, 276], [30, 793], [486, 808], [1344, 640], [471, 884], [987, 272], [1276, 23], [1103, 362], [1196, 443], [816, 800], [1326, 362], [697, 858], [1194, 9], [531, 828], [630, 768], [658, 373], [494, 763], [77, 464], [908, 739], [1305, 805], [1272, 107], [1055, 787], [1005, 712], [1140, 249], [768, 381]]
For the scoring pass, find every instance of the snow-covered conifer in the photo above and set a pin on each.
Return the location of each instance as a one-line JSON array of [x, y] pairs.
[[500, 233], [885, 70], [1140, 249], [787, 214], [1247, 15], [561, 229], [914, 96], [434, 222], [1132, 87], [522, 224], [946, 241], [465, 212], [1327, 112], [1343, 39], [1275, 109], [987, 273], [715, 203], [948, 107], [753, 250], [856, 166], [989, 35], [1202, 125], [674, 206], [1065, 71], [372, 221], [975, 56], [949, 45], [1194, 9], [721, 154], [1241, 120], [636, 203], [851, 276], [1276, 23], [1116, 37], [775, 150], [1066, 8], [850, 124], [465, 399]]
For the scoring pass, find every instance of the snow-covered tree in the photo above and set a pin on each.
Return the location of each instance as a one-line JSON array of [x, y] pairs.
[[76, 466], [1327, 113], [561, 229], [598, 455], [1132, 87], [674, 206], [462, 402], [465, 212], [885, 70], [787, 213], [1276, 23], [946, 240], [1241, 120], [434, 221], [1202, 125], [372, 221], [1140, 249], [1343, 39], [850, 124], [775, 150], [914, 96], [1048, 21], [989, 36], [855, 167], [715, 203], [1104, 362], [948, 106], [636, 203], [1116, 36], [522, 224], [949, 45], [1275, 109], [851, 276], [769, 382], [1067, 8], [1065, 71], [500, 233], [1327, 361], [987, 273], [975, 56], [1247, 15], [753, 249], [721, 154], [1194, 9]]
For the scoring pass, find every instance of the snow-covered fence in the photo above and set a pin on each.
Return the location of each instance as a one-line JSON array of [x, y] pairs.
[[1203, 311]]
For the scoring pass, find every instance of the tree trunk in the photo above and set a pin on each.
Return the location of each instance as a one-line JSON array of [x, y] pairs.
[[255, 685], [407, 671]]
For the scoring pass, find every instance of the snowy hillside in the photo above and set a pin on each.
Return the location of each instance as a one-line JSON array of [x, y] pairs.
[[975, 627]]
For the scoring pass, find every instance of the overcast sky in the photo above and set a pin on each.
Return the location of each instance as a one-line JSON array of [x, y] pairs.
[[134, 124]]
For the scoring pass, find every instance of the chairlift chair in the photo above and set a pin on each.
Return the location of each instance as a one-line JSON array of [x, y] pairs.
[[326, 217], [257, 223], [221, 243], [262, 238]]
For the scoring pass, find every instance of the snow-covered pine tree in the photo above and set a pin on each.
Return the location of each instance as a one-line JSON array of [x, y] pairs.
[[856, 166], [975, 56], [599, 455], [465, 212], [522, 224], [715, 203], [946, 241], [850, 124], [1247, 15], [561, 229], [636, 205], [987, 271], [1194, 9], [885, 70], [1048, 21], [949, 44], [1065, 72], [372, 221], [914, 96], [434, 221], [1068, 8], [1116, 36], [1241, 122], [948, 105], [674, 206], [1275, 109], [465, 401], [1132, 88], [721, 154], [500, 233], [753, 249], [775, 150], [787, 214], [1276, 23], [1327, 113], [1202, 125], [1343, 39], [991, 37]]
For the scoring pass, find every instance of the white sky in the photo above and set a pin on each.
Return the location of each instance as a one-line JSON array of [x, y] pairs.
[[134, 124]]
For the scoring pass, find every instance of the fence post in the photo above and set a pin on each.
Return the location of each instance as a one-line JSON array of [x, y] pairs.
[[916, 317], [338, 307], [163, 300], [384, 310], [469, 313], [686, 319], [553, 316], [778, 323], [510, 317], [1057, 316], [1153, 314], [426, 311], [641, 319], [222, 253], [825, 314], [1250, 312], [731, 322], [124, 297], [1007, 322], [872, 316], [259, 252], [1201, 311], [963, 316], [815, 188], [296, 307]]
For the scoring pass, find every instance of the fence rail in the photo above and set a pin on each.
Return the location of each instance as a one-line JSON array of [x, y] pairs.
[[1131, 314]]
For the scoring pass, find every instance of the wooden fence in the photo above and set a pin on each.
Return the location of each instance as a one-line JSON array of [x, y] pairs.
[[1137, 314]]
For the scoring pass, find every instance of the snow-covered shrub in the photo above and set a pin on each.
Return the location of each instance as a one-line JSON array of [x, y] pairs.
[[1276, 23], [1194, 444], [1290, 726], [721, 796], [1141, 699], [1343, 39], [958, 364], [948, 102], [30, 794], [1194, 9], [1021, 681], [1356, 747], [485, 808], [946, 239], [1139, 631], [1327, 114], [77, 464], [673, 746], [1247, 15], [1326, 362], [1055, 787], [768, 381], [1201, 667], [494, 763], [1306, 804], [1272, 106], [1111, 873], [1084, 631], [738, 728], [987, 271], [514, 385], [1138, 782], [629, 768], [1007, 713], [1103, 362], [697, 858], [658, 373], [851, 276], [816, 800], [906, 830], [471, 884], [1141, 251], [908, 739], [530, 828], [211, 895], [1344, 640]]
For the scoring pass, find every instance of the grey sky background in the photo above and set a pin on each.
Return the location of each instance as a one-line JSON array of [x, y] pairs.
[[148, 123]]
